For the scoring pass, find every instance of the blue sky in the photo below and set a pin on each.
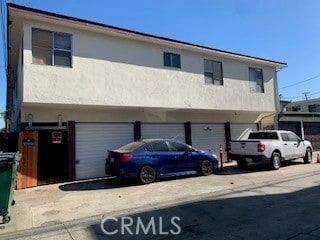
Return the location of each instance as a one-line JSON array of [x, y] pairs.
[[281, 30]]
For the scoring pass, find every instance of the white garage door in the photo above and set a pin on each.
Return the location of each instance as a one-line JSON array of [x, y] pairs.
[[241, 130], [163, 130], [208, 137], [93, 140]]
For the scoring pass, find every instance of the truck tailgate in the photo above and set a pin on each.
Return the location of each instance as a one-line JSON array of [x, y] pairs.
[[244, 147]]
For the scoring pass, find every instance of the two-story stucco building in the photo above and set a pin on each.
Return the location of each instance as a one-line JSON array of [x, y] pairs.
[[104, 86]]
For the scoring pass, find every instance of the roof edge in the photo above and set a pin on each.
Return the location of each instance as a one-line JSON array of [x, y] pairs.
[[33, 10]]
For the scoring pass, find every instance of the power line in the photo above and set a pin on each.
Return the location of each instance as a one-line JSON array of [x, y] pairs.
[[314, 93], [300, 97], [294, 84]]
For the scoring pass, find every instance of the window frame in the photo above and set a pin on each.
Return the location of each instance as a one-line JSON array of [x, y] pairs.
[[284, 137], [171, 60], [296, 108], [53, 48], [291, 136], [315, 106], [204, 72], [255, 80], [160, 142], [174, 149]]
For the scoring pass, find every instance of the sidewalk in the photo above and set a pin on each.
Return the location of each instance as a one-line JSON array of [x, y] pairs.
[[58, 206]]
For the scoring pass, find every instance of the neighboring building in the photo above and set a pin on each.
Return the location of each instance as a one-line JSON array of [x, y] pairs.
[[303, 117], [103, 86], [312, 105]]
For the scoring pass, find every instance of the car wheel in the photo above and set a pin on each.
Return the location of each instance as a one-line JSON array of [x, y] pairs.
[[147, 175], [242, 163], [206, 168], [275, 162], [308, 157]]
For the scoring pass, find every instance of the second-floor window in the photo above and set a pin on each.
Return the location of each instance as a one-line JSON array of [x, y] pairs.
[[295, 109], [213, 72], [51, 48], [256, 80], [171, 60], [314, 108]]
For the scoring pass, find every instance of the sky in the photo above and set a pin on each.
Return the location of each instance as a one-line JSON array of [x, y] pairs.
[[281, 30]]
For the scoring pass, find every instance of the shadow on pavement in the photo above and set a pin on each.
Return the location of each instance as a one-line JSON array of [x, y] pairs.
[[94, 184], [274, 216], [293, 215], [108, 183], [111, 182], [234, 169]]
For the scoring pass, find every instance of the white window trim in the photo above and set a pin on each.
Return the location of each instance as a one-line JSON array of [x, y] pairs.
[[204, 73], [58, 49]]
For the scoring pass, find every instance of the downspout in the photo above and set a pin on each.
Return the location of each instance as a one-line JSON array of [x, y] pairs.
[[276, 101], [269, 115]]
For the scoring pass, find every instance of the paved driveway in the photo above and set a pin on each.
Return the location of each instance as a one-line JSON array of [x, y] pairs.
[[252, 204]]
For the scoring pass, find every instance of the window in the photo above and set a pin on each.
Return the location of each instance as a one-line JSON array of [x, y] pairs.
[[263, 135], [178, 147], [213, 72], [296, 108], [293, 137], [256, 80], [314, 108], [51, 48], [284, 137], [160, 147], [131, 146], [171, 60], [148, 148]]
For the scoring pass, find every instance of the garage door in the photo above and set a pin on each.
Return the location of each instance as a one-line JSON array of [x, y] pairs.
[[208, 136], [242, 130], [312, 133], [163, 130], [93, 140]]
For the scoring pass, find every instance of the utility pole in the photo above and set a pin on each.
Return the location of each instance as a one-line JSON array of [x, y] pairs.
[[306, 94]]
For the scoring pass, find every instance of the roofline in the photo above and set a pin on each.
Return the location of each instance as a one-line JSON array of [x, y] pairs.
[[33, 10], [300, 114], [305, 101]]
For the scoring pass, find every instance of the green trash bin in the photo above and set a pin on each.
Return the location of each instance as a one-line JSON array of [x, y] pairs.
[[8, 177]]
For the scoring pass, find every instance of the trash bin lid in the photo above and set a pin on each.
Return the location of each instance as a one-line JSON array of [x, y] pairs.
[[9, 156]]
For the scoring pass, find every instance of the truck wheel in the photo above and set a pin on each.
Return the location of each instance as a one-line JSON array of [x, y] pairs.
[[242, 163], [275, 162], [308, 157]]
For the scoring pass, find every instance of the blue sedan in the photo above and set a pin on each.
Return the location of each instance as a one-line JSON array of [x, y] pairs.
[[147, 160]]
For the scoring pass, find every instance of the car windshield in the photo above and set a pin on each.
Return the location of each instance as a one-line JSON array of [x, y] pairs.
[[131, 146]]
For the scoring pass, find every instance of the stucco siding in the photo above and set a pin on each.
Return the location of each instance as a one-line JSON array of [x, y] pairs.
[[117, 72], [49, 113]]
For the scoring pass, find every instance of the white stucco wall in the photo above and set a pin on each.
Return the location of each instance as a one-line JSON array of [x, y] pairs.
[[50, 114], [113, 71], [17, 93]]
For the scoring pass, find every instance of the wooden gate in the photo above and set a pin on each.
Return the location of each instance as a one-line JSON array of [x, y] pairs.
[[28, 166]]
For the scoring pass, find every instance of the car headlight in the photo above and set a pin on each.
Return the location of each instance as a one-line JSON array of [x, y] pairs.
[[215, 156]]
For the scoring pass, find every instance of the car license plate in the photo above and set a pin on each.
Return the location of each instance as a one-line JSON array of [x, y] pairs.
[[249, 160], [111, 160]]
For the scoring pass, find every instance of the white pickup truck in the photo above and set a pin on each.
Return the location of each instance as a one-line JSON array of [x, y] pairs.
[[270, 147]]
